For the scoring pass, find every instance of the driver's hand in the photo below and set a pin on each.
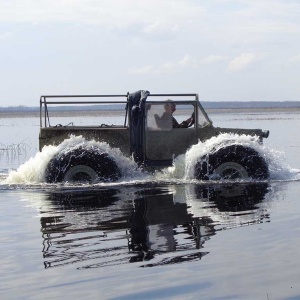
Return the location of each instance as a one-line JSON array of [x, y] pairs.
[[192, 119]]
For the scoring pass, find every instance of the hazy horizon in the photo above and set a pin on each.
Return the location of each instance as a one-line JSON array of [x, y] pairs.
[[205, 104]]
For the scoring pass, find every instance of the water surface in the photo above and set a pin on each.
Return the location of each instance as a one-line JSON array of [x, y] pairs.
[[156, 237]]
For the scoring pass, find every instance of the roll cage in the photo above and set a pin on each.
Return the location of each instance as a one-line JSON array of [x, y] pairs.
[[49, 104]]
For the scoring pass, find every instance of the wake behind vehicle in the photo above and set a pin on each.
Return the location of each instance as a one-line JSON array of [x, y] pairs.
[[148, 135]]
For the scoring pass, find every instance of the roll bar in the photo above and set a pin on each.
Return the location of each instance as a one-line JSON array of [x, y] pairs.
[[47, 100]]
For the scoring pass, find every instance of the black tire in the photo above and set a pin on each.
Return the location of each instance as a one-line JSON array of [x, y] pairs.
[[232, 162], [85, 165]]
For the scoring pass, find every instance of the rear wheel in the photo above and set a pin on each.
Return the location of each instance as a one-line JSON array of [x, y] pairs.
[[232, 162], [82, 165]]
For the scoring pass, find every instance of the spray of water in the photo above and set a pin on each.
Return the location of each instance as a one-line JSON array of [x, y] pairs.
[[33, 171], [183, 166]]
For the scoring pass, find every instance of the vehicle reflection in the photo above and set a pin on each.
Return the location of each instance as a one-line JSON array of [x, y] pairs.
[[146, 225]]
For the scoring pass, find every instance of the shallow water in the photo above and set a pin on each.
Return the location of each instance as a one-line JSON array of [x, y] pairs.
[[162, 237]]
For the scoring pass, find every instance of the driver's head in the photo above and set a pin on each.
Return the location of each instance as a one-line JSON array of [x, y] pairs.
[[170, 106]]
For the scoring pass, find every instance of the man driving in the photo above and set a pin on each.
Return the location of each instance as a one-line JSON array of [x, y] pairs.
[[170, 108]]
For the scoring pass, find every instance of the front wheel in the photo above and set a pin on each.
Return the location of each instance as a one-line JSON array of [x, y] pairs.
[[82, 165], [232, 162]]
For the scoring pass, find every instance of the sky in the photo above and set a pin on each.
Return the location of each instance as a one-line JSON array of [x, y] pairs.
[[224, 50]]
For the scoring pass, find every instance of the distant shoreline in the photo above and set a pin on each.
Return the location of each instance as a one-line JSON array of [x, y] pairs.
[[255, 110], [93, 113], [208, 105]]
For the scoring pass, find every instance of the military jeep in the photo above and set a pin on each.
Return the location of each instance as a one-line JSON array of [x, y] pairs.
[[146, 136]]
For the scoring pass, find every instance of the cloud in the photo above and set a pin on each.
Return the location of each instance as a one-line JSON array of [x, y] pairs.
[[270, 8], [166, 20], [152, 20], [109, 12], [166, 67], [142, 70], [241, 62], [158, 26], [172, 66], [212, 59]]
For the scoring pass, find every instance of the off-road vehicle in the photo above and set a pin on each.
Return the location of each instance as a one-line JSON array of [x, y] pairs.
[[146, 135]]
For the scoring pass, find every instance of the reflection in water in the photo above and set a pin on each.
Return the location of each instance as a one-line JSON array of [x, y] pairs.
[[149, 226]]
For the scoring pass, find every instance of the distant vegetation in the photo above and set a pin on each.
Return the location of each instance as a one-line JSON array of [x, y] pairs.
[[251, 104], [18, 108], [206, 104]]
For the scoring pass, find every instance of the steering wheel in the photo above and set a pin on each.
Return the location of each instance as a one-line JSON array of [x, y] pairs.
[[192, 120]]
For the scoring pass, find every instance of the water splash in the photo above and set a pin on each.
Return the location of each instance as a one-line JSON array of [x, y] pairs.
[[183, 166], [32, 172]]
